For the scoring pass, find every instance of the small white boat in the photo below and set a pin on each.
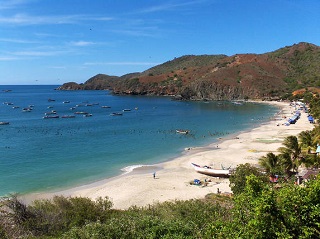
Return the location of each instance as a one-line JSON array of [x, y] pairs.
[[4, 123], [126, 110], [51, 113], [87, 115], [211, 172], [105, 106], [182, 131], [27, 109], [81, 113]]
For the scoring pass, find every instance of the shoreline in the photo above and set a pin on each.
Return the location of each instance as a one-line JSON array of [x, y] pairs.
[[173, 177]]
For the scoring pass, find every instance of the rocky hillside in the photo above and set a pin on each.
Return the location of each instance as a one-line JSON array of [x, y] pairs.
[[220, 77]]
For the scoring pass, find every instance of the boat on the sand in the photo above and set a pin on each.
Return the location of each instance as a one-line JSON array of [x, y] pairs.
[[211, 171]]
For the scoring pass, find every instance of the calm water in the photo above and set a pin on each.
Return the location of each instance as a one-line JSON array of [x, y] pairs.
[[39, 154]]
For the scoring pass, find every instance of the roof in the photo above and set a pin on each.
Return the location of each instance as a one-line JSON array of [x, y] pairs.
[[305, 174]]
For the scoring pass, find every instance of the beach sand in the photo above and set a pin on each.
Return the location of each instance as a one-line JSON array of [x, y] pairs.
[[172, 178]]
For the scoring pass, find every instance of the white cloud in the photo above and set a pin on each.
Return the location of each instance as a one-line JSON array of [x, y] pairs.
[[37, 53], [9, 4], [82, 43], [11, 40], [25, 19], [170, 6], [8, 58]]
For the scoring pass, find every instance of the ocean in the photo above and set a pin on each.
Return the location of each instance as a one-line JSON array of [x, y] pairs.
[[38, 154]]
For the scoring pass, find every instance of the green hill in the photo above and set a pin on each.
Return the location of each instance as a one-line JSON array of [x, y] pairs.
[[220, 77]]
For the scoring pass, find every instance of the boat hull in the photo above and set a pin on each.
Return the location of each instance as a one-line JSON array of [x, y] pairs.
[[225, 173]]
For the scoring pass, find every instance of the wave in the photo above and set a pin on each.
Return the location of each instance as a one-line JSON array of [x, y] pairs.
[[129, 169]]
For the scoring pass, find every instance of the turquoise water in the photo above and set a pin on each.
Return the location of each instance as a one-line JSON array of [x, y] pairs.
[[39, 154]]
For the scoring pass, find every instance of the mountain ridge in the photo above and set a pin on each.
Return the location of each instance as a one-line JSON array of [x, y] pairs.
[[219, 77]]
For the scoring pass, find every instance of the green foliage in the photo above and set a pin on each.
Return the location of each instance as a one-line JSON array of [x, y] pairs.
[[238, 179], [292, 151], [257, 209], [46, 217], [271, 163]]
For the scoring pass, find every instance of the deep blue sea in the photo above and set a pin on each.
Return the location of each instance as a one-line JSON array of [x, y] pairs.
[[39, 154]]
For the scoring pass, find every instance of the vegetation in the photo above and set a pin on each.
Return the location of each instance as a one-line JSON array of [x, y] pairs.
[[219, 77], [257, 209]]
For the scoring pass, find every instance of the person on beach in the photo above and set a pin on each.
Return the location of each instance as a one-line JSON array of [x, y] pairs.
[[154, 175]]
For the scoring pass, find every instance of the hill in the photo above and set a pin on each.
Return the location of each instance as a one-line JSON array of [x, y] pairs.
[[220, 77]]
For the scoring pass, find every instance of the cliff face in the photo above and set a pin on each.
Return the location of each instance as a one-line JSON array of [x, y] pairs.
[[220, 77]]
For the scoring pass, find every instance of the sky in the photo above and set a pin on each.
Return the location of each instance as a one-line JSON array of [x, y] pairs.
[[56, 41]]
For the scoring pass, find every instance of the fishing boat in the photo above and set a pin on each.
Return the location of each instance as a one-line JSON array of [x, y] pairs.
[[27, 109], [53, 112], [105, 106], [210, 171], [126, 110], [87, 115], [182, 131], [4, 123], [81, 113], [116, 114], [50, 117]]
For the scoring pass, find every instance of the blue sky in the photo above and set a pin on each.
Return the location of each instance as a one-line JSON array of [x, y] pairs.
[[57, 41]]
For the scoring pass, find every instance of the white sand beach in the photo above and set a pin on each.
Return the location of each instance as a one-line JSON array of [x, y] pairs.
[[172, 181]]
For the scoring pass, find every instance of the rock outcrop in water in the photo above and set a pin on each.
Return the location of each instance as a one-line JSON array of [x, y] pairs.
[[219, 77]]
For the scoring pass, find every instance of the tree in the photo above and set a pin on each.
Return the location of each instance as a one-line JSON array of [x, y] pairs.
[[271, 164], [239, 178], [305, 138], [292, 149]]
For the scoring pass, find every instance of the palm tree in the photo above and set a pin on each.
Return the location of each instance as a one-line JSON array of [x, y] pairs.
[[292, 151], [271, 164], [306, 140], [286, 163]]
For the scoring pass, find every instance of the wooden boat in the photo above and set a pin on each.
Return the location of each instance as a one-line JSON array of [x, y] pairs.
[[210, 171]]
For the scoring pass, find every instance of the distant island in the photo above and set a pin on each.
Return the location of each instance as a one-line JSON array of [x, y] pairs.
[[271, 75]]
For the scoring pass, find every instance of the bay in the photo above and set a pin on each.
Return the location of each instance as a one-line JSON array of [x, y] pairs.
[[39, 154]]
